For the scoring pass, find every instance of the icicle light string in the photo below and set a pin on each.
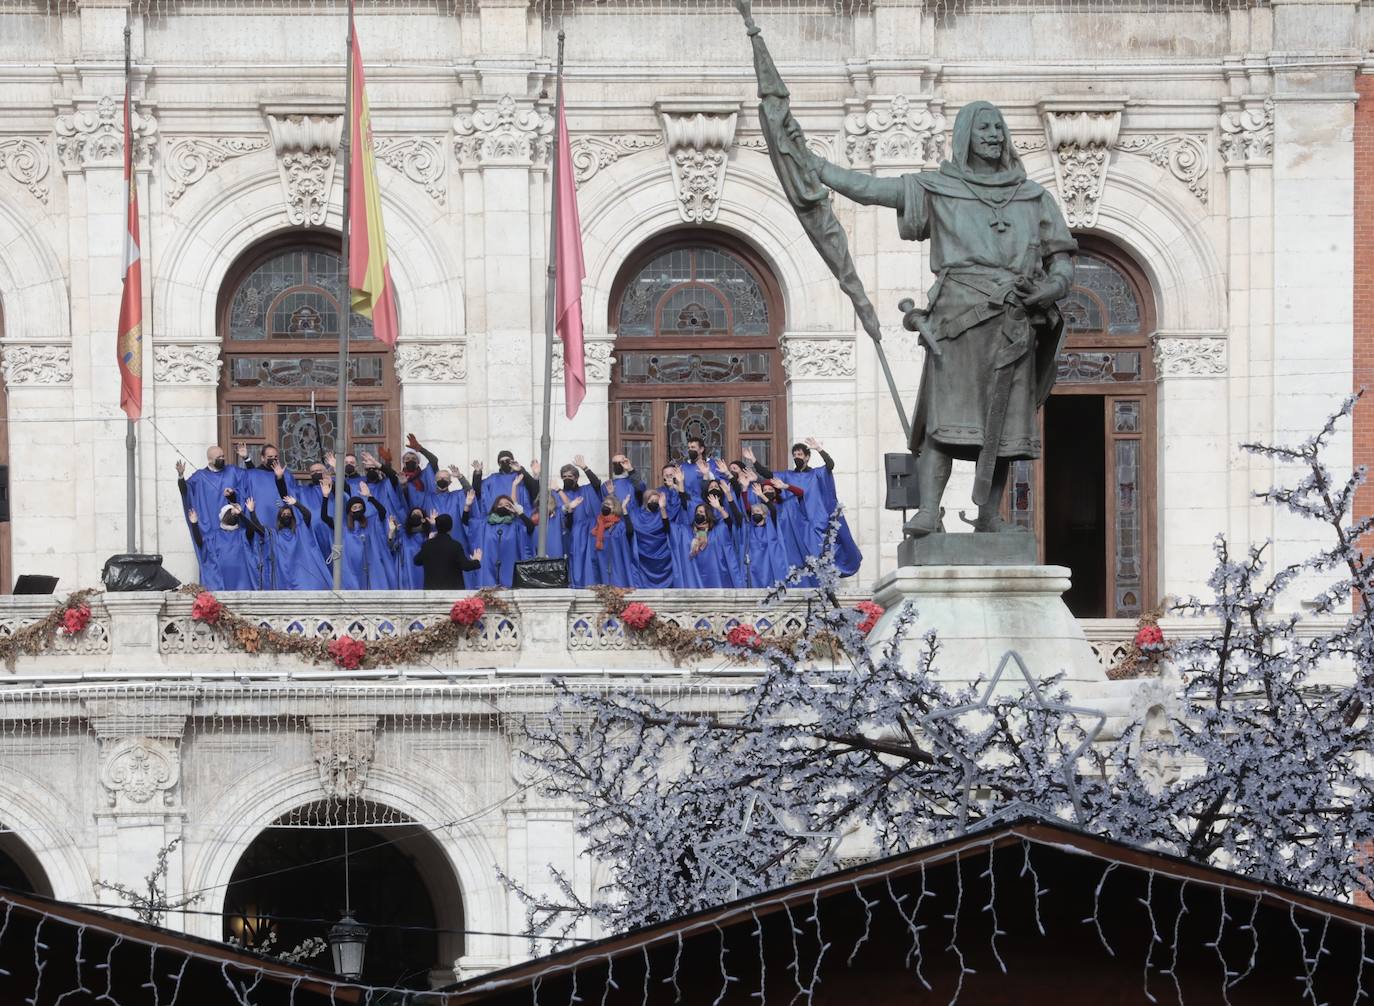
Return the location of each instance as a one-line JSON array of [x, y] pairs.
[[1148, 902], [868, 924], [795, 965], [1174, 949], [38, 964], [1254, 944], [78, 960], [725, 978], [1036, 889], [1096, 917], [762, 994], [108, 968], [953, 917], [1223, 917], [991, 907], [821, 948]]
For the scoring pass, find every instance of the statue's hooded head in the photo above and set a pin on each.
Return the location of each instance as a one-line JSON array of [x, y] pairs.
[[1009, 168]]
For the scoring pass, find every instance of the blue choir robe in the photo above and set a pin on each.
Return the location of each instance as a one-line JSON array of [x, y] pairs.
[[626, 487], [820, 502], [204, 492], [577, 533], [613, 563], [652, 546], [261, 484], [451, 503], [231, 561], [765, 559], [793, 525], [501, 546], [310, 497], [685, 572], [294, 561], [408, 575], [369, 557], [694, 482], [417, 491], [490, 487], [717, 565]]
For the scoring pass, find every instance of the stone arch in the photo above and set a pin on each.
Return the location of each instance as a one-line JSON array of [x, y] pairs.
[[32, 280], [627, 204], [40, 839], [217, 226], [257, 800]]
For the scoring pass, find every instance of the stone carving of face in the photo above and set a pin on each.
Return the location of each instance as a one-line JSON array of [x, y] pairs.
[[988, 140]]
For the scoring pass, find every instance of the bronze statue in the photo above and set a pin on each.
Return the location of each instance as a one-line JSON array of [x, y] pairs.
[[1000, 250]]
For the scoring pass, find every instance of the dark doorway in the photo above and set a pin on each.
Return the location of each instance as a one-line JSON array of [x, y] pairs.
[[1075, 498], [290, 885], [19, 869]]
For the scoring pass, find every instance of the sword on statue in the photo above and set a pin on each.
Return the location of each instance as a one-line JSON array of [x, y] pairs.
[[811, 199]]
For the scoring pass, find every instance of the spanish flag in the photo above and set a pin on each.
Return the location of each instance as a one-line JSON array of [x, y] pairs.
[[129, 339], [369, 276]]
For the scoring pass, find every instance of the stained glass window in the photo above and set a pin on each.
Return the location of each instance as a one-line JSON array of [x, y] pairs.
[[1102, 300], [694, 291], [293, 295]]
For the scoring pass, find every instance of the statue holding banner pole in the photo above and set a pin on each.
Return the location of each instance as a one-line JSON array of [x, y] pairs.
[[1001, 253]]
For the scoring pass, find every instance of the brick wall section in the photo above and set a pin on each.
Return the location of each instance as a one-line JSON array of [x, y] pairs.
[[1363, 363]]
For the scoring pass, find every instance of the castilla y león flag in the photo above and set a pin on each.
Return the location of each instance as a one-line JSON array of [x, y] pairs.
[[570, 273], [369, 275], [130, 337]]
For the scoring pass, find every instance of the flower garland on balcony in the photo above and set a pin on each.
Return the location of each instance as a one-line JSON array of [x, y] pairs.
[[464, 622], [644, 624], [68, 618], [1147, 648]]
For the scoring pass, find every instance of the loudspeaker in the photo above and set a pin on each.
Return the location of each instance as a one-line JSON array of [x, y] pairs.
[[31, 583], [137, 572], [903, 491], [541, 574], [4, 493]]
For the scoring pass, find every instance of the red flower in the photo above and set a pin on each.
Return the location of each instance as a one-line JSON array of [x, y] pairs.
[[637, 616], [871, 612], [1149, 635], [206, 608], [467, 611], [348, 652], [75, 618], [743, 635]]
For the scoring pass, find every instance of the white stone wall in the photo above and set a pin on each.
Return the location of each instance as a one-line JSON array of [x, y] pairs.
[[1228, 178]]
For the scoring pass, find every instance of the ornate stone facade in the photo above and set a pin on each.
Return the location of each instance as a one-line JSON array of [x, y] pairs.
[[134, 770], [420, 158], [194, 363], [1080, 134], [26, 161], [431, 363], [191, 158], [1247, 134], [808, 359], [505, 132], [92, 134], [1183, 155], [698, 135], [35, 364], [343, 751], [597, 360], [895, 132], [592, 153], [1182, 356], [306, 142]]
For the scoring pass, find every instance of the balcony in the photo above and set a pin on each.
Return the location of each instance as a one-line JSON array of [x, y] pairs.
[[152, 635]]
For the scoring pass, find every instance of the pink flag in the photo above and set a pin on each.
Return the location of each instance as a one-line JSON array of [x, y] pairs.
[[570, 274]]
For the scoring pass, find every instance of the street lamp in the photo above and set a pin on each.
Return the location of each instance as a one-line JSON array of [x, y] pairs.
[[347, 944]]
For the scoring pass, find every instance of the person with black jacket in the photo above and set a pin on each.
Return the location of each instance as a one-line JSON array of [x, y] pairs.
[[445, 560]]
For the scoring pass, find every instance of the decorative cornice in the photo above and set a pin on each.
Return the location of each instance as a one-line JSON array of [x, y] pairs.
[[1247, 135], [134, 770], [1190, 356], [93, 137], [1183, 154], [592, 153], [698, 133], [431, 363], [35, 364], [503, 133], [419, 158], [895, 132], [26, 161], [305, 143], [343, 756], [189, 160], [1080, 133], [597, 361], [818, 359], [191, 363]]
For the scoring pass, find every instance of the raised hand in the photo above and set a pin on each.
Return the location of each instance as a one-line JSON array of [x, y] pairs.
[[326, 484], [477, 554], [369, 460], [251, 505], [385, 452], [363, 490], [477, 467], [814, 444], [228, 492], [329, 459], [515, 484], [455, 471], [747, 453], [391, 525], [580, 460], [433, 516], [278, 470], [242, 451], [704, 468], [468, 499], [192, 516], [411, 442], [289, 500], [536, 468]]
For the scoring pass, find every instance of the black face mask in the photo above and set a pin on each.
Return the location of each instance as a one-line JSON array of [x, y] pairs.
[[374, 476], [316, 478], [505, 466], [570, 484], [617, 468], [759, 518], [653, 506], [350, 470], [799, 465], [714, 496], [770, 497], [270, 462], [286, 522], [693, 455], [605, 510], [442, 484], [231, 496], [217, 464], [231, 519], [413, 522], [701, 522], [411, 466]]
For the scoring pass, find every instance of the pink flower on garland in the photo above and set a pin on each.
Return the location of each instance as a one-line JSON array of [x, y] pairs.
[[637, 616], [743, 635], [348, 652], [1149, 637], [206, 608], [871, 612], [75, 619], [467, 611]]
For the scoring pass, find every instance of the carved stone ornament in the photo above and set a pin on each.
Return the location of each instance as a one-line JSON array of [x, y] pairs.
[[1177, 356], [134, 770], [894, 132], [194, 363], [94, 137], [821, 146], [419, 158], [592, 153], [306, 144], [343, 758], [35, 364], [810, 359], [1080, 136], [26, 162], [191, 159], [431, 363], [504, 133], [1247, 135], [1183, 154], [597, 361], [698, 134]]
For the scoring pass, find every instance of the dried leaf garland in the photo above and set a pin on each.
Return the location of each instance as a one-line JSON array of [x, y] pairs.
[[34, 638]]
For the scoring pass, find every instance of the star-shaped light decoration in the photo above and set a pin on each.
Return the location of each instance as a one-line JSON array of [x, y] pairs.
[[1066, 767]]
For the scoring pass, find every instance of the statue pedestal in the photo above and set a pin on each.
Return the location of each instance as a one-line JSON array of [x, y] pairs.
[[980, 612]]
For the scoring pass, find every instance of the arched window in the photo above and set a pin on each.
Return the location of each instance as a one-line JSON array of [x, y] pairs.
[[279, 323], [697, 321], [1090, 498]]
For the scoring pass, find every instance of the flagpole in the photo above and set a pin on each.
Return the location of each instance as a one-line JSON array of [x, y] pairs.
[[130, 437], [341, 423], [550, 321]]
